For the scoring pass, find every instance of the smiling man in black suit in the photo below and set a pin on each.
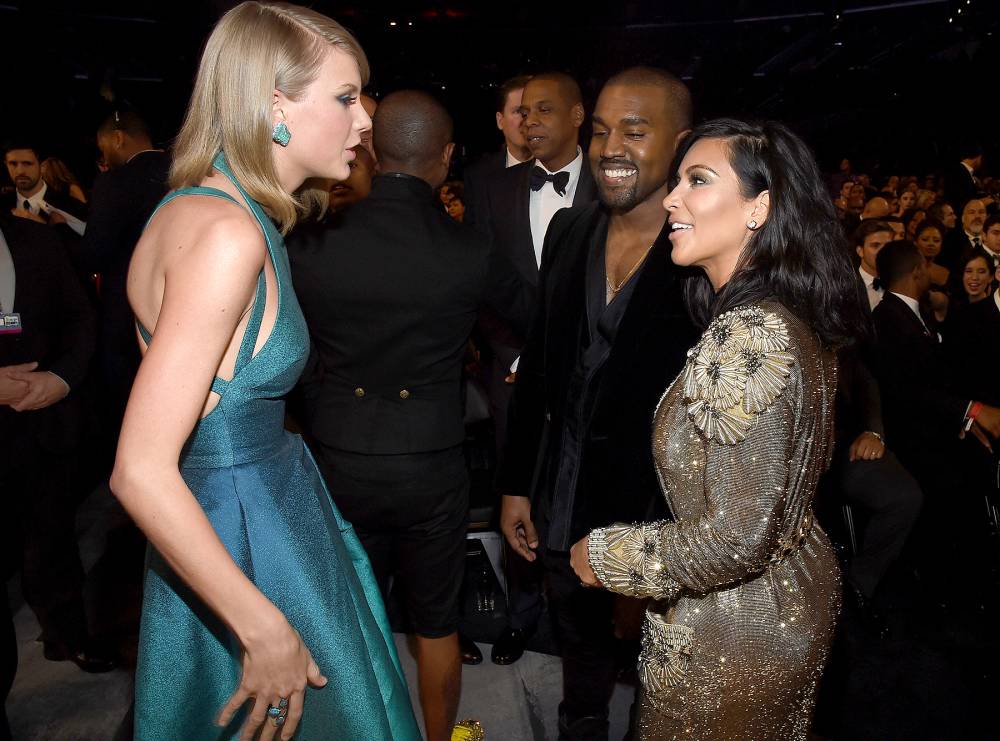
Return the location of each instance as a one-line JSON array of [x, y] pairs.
[[610, 333]]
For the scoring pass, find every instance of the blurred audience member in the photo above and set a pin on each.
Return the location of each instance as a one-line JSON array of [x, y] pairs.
[[59, 178], [46, 347], [357, 187], [970, 234], [452, 195], [928, 237], [876, 208], [869, 238], [943, 213], [991, 238]]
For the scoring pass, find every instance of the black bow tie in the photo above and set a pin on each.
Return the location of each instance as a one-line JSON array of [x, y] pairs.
[[539, 178]]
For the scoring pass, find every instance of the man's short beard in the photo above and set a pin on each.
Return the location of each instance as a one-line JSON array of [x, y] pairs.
[[620, 198]]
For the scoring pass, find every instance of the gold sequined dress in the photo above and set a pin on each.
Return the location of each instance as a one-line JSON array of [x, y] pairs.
[[746, 586]]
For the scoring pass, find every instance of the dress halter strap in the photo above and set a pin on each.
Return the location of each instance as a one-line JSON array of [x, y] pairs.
[[249, 341]]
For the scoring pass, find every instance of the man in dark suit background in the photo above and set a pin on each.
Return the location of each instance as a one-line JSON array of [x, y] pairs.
[[961, 184], [121, 202], [513, 152], [391, 290], [517, 206], [45, 348], [924, 411], [610, 333]]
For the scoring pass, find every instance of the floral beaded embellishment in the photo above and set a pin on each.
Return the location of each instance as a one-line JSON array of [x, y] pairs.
[[626, 560], [736, 371], [666, 652]]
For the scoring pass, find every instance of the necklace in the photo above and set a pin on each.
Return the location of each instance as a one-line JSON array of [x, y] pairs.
[[612, 288]]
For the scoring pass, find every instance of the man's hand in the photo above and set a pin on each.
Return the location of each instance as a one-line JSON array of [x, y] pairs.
[[13, 390], [25, 214], [56, 218], [579, 559], [44, 390], [515, 522], [866, 447]]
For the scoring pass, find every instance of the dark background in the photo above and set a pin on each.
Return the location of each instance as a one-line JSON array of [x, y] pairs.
[[895, 86]]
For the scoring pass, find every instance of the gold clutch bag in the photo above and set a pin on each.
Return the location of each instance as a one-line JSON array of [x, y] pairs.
[[468, 730]]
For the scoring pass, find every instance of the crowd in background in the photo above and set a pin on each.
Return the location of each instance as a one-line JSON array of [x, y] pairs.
[[913, 486]]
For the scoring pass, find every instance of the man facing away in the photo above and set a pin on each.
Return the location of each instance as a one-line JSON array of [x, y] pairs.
[[610, 333], [391, 292]]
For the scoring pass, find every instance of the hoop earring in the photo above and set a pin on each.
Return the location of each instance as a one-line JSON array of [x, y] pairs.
[[752, 224], [281, 135]]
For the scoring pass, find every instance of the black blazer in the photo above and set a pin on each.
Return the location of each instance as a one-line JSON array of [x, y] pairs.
[[921, 409], [973, 347], [506, 214], [475, 178], [618, 481], [960, 187], [58, 333], [390, 290], [121, 203]]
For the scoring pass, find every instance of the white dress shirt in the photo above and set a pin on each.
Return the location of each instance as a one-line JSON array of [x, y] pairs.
[[996, 298], [511, 159], [37, 203], [544, 203], [874, 294], [7, 278]]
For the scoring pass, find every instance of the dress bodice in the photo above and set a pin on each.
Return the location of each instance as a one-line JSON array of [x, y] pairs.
[[248, 420]]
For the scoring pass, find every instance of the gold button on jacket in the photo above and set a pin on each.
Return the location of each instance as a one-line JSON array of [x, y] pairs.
[[404, 394], [359, 392]]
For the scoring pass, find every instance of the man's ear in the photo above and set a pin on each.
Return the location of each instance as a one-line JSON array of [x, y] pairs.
[[446, 154], [500, 120], [578, 115], [119, 139]]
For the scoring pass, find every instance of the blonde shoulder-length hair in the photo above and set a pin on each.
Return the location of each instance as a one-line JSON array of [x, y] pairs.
[[255, 48]]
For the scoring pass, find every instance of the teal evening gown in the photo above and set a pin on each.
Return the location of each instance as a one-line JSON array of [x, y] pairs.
[[262, 492]]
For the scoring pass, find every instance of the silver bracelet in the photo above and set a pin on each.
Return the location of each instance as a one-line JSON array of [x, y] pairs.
[[877, 436]]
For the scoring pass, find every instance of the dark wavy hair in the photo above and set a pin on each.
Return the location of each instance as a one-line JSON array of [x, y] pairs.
[[799, 255]]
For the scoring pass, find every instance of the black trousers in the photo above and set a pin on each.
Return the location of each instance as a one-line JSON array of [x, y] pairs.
[[411, 513], [892, 499], [42, 489], [582, 619]]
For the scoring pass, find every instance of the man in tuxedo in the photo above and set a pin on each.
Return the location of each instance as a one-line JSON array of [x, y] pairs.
[[33, 199], [514, 151], [958, 241], [517, 206], [924, 411], [122, 201], [46, 344], [870, 237], [610, 333], [991, 238], [390, 290]]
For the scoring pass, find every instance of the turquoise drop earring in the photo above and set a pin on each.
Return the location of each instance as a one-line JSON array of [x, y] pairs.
[[281, 135]]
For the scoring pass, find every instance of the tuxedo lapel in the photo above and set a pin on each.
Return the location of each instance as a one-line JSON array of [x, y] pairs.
[[524, 248]]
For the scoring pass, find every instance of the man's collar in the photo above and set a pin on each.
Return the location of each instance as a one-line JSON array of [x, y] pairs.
[[573, 168], [36, 199], [867, 277], [399, 182]]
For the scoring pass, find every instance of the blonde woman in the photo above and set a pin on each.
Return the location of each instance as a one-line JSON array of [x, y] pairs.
[[261, 614]]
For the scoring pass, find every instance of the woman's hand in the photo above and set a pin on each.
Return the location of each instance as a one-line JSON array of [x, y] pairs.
[[867, 447], [579, 559], [276, 666]]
